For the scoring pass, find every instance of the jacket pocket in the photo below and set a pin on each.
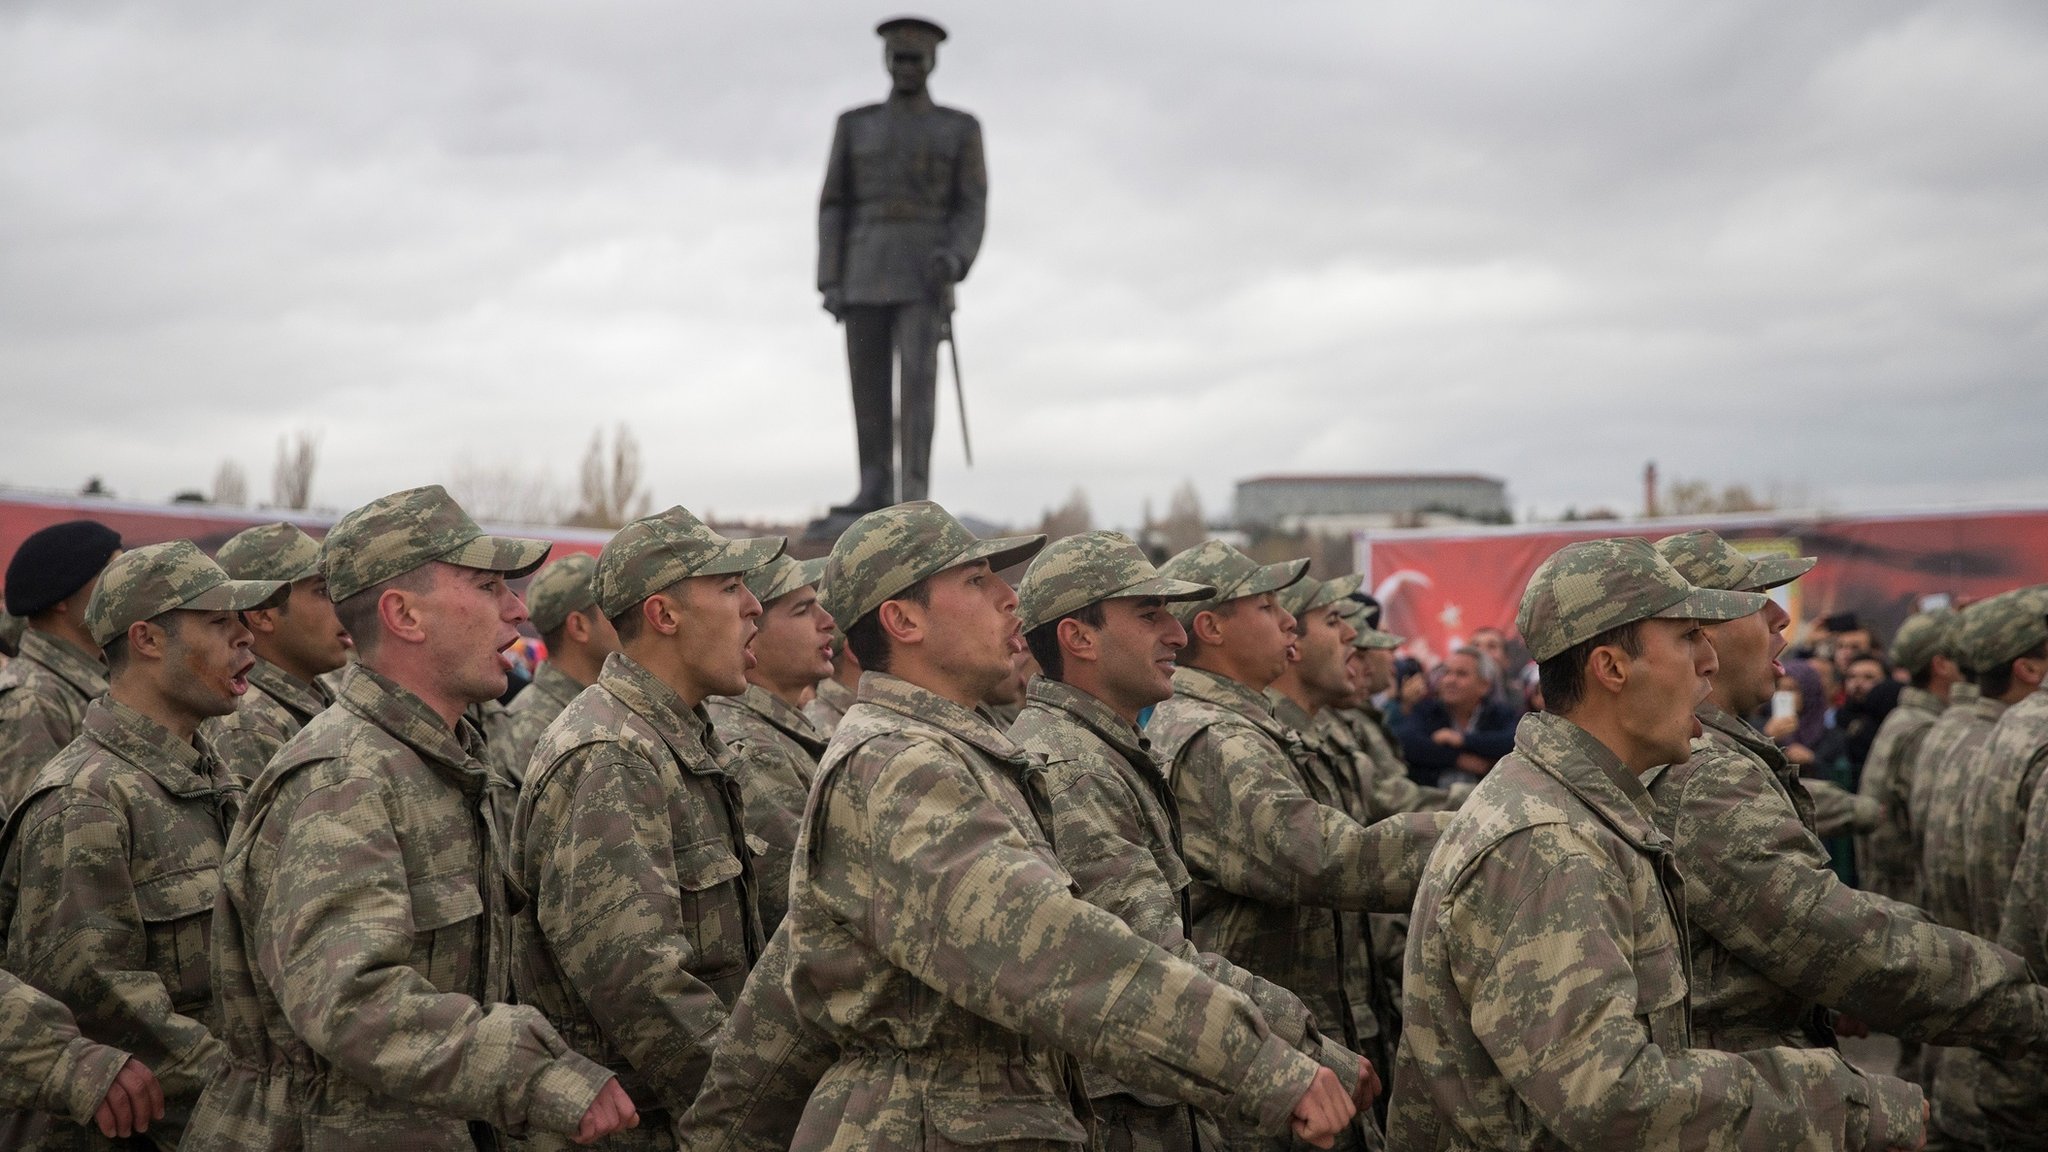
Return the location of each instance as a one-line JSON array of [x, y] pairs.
[[1660, 996], [177, 923], [447, 915], [708, 873]]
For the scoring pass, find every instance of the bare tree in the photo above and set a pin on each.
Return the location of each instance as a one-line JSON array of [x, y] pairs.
[[610, 483], [291, 480], [507, 494], [1182, 528], [1698, 497], [230, 485], [1069, 519]]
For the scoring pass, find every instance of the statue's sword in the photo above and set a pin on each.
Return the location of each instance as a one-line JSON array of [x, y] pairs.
[[959, 391]]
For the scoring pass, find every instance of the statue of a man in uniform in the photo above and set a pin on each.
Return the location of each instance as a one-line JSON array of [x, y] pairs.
[[899, 224]]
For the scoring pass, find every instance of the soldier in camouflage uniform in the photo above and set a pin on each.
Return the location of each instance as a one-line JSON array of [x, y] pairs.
[[2011, 1093], [1360, 730], [1998, 782], [561, 604], [1990, 641], [774, 746], [1274, 853], [1777, 937], [1094, 612], [834, 693], [44, 689], [933, 933], [358, 944], [1546, 994], [112, 860], [1888, 859], [632, 859], [296, 642], [46, 1066]]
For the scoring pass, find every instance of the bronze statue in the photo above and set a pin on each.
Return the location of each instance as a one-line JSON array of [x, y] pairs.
[[899, 223]]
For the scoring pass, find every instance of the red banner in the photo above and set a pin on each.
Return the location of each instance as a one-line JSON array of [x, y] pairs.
[[1438, 587]]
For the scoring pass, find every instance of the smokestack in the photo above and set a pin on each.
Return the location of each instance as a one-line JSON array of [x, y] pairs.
[[1650, 490]]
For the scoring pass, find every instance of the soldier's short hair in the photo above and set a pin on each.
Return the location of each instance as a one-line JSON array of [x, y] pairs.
[[358, 613], [1044, 640], [1563, 676], [116, 648], [865, 637], [1996, 681], [1225, 609]]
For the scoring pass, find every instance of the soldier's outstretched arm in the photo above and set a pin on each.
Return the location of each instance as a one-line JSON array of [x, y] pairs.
[[607, 905], [337, 952], [92, 947], [1255, 832], [1534, 937], [1757, 881], [768, 1060], [45, 1065], [914, 859]]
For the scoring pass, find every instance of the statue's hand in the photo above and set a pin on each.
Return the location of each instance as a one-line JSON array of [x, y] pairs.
[[835, 303], [943, 268]]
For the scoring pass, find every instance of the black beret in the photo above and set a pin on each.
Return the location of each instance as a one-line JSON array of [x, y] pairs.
[[57, 561]]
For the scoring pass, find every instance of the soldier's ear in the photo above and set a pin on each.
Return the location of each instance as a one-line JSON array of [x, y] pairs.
[[1207, 628], [1607, 668], [902, 620], [1078, 641]]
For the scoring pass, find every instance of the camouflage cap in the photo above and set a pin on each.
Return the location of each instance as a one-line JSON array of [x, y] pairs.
[[1996, 630], [785, 574], [1233, 574], [395, 534], [559, 588], [1080, 570], [1923, 637], [270, 552], [657, 552], [1308, 594], [1360, 615], [158, 578], [1711, 562], [887, 551], [1591, 586]]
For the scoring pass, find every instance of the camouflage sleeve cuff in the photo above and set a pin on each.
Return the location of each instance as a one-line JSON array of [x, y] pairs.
[[1274, 1083], [563, 1092], [1341, 1060], [81, 1078], [1898, 1113]]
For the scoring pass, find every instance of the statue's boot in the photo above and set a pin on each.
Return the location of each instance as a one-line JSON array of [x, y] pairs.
[[874, 493]]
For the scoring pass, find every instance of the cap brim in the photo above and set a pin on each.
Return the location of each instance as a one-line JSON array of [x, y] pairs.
[[513, 555], [1715, 605], [1001, 552], [809, 572], [1374, 638], [743, 555], [1337, 591], [1164, 588], [1772, 571], [1271, 578], [239, 596]]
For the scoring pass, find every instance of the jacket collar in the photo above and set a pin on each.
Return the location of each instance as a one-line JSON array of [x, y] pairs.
[[381, 701], [1092, 714], [68, 661], [298, 697], [791, 722], [556, 686], [1988, 709], [1921, 700], [686, 730], [927, 707], [180, 767], [1590, 771], [1731, 729], [1223, 692], [836, 696]]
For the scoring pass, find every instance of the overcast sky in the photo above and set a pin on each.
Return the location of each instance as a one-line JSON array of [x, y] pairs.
[[1801, 245]]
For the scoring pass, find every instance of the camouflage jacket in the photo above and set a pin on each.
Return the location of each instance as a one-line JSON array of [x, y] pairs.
[[111, 863], [775, 753], [1116, 830], [529, 715], [1361, 735], [639, 923], [1775, 932], [1272, 859], [1546, 1001], [829, 706], [43, 694], [768, 1061], [358, 949], [1999, 788], [45, 1065], [1945, 760], [1888, 858], [936, 940], [2008, 1095], [271, 712]]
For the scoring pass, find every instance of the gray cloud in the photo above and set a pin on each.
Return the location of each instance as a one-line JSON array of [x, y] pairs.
[[1756, 244]]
